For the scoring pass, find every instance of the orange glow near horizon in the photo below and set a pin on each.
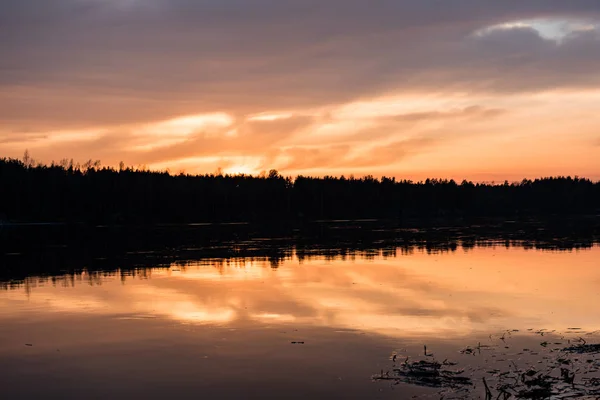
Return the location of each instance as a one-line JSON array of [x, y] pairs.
[[494, 97], [451, 136]]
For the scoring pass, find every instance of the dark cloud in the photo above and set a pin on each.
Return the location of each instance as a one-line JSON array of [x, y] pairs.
[[22, 137], [303, 158], [92, 62], [471, 112], [392, 152], [340, 156]]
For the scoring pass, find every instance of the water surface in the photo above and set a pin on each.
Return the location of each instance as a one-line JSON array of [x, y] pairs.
[[245, 327]]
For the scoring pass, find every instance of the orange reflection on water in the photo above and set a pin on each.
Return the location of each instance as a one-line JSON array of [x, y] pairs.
[[483, 289]]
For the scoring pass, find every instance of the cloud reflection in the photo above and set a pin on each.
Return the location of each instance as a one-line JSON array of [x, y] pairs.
[[415, 294]]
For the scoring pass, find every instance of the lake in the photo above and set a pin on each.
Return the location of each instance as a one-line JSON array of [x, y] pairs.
[[324, 323]]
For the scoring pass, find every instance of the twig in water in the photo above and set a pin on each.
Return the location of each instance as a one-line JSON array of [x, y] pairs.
[[488, 392]]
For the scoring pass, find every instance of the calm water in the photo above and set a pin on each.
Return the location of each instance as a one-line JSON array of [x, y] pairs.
[[225, 328]]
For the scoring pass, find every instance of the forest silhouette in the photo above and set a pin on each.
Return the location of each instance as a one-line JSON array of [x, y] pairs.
[[88, 193]]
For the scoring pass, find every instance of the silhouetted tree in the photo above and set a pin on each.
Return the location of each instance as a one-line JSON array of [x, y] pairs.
[[70, 192]]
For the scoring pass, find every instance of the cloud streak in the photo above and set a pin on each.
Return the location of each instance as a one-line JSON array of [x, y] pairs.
[[302, 84]]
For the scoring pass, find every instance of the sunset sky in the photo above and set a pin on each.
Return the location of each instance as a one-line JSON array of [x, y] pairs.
[[477, 89]]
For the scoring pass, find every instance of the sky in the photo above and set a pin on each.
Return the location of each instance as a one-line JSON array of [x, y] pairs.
[[485, 90]]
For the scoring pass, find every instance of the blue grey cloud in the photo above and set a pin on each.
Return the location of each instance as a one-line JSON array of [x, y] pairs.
[[85, 62]]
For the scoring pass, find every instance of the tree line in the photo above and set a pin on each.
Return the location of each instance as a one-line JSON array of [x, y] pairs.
[[90, 193]]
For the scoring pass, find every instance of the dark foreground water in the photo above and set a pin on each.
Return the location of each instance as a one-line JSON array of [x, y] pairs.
[[316, 325]]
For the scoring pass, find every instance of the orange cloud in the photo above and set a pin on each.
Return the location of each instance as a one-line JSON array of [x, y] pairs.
[[473, 90]]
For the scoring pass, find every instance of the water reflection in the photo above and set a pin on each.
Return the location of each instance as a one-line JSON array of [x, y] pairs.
[[54, 250], [413, 291]]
